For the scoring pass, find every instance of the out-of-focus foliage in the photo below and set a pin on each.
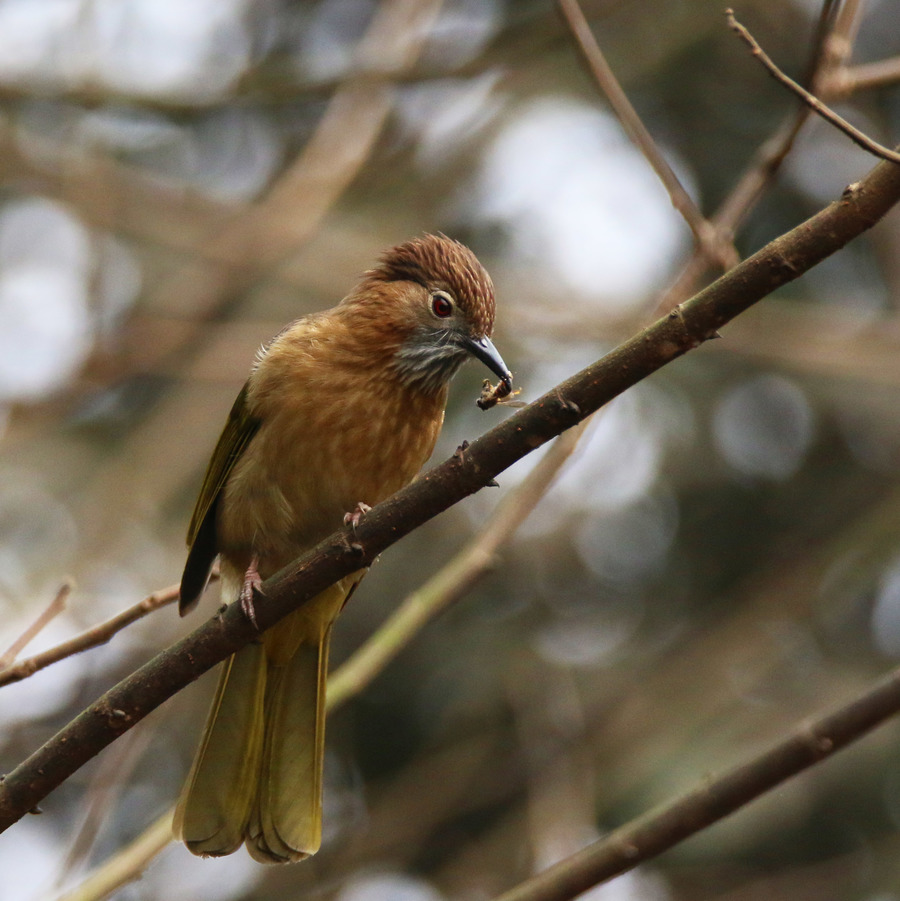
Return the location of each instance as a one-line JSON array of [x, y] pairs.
[[721, 558]]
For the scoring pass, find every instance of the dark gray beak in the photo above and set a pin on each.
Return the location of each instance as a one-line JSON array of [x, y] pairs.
[[483, 349]]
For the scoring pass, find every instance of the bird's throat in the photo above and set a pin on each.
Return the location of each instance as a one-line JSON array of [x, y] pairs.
[[427, 361]]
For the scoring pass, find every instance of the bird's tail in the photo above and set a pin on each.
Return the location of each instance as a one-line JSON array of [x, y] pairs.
[[257, 775], [286, 821], [218, 797]]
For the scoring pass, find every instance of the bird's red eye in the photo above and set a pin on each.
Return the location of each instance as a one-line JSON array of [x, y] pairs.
[[441, 305]]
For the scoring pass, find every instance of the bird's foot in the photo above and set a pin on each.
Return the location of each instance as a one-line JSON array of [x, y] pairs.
[[252, 584], [353, 518]]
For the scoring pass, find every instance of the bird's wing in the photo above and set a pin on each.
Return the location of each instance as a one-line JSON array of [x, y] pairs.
[[239, 430]]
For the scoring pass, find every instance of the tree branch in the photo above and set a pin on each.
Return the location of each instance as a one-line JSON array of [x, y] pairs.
[[468, 470], [46, 616], [863, 77], [713, 799], [89, 638], [715, 243], [125, 865], [813, 102], [760, 173]]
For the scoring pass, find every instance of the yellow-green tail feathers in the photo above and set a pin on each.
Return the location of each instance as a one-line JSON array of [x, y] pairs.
[[221, 787], [257, 776], [286, 823]]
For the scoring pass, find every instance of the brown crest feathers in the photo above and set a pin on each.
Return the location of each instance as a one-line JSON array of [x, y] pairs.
[[439, 263]]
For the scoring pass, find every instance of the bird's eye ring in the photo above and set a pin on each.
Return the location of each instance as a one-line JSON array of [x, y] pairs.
[[441, 305]]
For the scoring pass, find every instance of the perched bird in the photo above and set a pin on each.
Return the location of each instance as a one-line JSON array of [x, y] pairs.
[[341, 409]]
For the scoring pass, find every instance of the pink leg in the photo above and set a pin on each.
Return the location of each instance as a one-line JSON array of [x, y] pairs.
[[354, 516], [252, 583]]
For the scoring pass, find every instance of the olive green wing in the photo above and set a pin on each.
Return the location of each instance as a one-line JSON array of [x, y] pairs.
[[237, 434]]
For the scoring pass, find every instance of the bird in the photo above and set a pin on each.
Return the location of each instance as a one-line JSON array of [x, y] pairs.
[[341, 409]]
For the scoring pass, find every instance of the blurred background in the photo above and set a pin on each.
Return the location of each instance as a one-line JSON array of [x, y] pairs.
[[720, 557]]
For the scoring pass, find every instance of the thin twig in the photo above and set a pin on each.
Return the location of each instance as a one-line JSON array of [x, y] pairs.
[[106, 786], [49, 613], [708, 237], [125, 865], [863, 77], [813, 102], [740, 200], [838, 47], [760, 173], [774, 151], [90, 638], [267, 91], [713, 799]]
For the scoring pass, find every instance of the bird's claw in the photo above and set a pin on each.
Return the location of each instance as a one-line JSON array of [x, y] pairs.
[[353, 518], [252, 584]]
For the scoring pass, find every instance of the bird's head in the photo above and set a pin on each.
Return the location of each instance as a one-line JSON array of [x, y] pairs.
[[437, 301]]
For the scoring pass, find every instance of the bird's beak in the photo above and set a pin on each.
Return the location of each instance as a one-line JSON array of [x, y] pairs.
[[483, 349]]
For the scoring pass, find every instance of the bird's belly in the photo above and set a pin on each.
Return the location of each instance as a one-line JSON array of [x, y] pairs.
[[288, 492]]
